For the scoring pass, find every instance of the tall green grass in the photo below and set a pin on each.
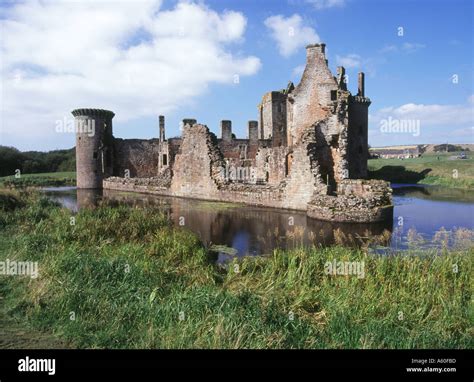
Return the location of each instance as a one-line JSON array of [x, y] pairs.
[[131, 280], [51, 179]]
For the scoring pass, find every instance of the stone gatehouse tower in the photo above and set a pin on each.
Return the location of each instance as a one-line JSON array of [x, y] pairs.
[[307, 150]]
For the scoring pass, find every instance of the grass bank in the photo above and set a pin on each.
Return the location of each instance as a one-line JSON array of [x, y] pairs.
[[122, 277], [50, 179], [434, 169]]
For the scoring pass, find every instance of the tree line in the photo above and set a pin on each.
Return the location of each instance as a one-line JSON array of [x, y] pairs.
[[33, 162]]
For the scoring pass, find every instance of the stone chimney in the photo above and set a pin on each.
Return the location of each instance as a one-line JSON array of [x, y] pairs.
[[361, 85], [226, 130], [315, 52], [253, 131], [162, 127]]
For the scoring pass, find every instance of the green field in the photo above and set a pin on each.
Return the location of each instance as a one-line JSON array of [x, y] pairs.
[[428, 169], [39, 180], [123, 277]]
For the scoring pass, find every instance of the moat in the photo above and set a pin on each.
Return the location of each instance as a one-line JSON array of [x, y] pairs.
[[247, 230]]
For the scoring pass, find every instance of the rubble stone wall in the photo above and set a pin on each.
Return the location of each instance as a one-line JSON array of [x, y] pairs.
[[199, 165], [138, 156], [357, 200]]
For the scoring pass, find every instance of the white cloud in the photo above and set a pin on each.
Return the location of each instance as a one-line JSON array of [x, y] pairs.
[[290, 33], [324, 4], [129, 57], [436, 121], [298, 71], [429, 115], [406, 47], [349, 61]]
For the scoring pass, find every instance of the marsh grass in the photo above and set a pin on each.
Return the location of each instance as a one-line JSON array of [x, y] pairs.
[[131, 280]]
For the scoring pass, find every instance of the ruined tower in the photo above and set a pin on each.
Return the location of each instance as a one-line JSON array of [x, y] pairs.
[[163, 147], [358, 130], [94, 146]]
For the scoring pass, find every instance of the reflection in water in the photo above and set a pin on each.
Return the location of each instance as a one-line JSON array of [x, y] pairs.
[[249, 230], [254, 230], [437, 193], [88, 198]]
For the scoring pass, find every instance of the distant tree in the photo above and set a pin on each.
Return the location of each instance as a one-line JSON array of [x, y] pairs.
[[31, 162], [448, 148], [11, 159]]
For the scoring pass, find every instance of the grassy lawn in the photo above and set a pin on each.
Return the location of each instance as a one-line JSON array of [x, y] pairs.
[[39, 180], [123, 277], [457, 173]]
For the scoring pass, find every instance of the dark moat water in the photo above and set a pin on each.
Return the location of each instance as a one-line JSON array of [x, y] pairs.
[[247, 230]]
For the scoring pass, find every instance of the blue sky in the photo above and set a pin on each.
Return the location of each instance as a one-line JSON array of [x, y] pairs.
[[182, 59]]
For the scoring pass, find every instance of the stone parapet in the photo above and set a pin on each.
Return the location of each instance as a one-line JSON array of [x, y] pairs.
[[88, 112]]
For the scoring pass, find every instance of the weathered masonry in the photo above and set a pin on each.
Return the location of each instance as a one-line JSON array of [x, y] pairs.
[[307, 151]]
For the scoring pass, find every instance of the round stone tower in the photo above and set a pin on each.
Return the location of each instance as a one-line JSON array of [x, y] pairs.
[[94, 146]]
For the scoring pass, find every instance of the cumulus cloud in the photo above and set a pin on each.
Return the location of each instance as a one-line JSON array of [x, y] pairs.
[[290, 33], [349, 61], [131, 57]]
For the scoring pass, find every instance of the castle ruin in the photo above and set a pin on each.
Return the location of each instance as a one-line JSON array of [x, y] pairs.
[[307, 151]]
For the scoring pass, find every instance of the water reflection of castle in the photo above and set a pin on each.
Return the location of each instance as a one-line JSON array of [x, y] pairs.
[[250, 230]]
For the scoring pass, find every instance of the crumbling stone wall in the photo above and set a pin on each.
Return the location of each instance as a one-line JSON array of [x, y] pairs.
[[357, 200], [271, 164], [138, 156], [304, 179], [199, 165], [311, 100]]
